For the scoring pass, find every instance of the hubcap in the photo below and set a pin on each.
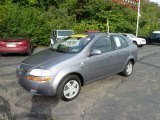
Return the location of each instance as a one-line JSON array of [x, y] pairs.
[[71, 89], [129, 69]]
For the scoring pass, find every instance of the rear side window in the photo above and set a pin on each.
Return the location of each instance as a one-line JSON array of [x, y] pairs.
[[104, 44], [120, 42], [153, 35], [157, 35]]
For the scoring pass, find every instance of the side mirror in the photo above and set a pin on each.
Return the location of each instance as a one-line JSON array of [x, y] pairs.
[[95, 52]]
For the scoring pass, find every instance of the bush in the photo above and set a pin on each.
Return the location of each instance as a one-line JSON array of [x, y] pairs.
[[31, 21]]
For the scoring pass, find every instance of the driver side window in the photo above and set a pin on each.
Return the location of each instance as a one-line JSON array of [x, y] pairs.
[[103, 44]]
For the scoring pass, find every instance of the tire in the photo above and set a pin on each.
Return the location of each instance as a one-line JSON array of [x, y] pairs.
[[149, 42], [128, 69], [140, 45], [66, 90], [135, 43], [4, 54], [29, 52]]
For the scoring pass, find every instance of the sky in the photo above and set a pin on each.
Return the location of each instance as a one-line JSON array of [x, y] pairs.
[[157, 1]]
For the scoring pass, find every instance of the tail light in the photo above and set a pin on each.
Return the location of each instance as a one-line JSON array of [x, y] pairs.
[[1, 43], [22, 43]]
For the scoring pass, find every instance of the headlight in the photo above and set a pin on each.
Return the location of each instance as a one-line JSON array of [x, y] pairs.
[[40, 72], [18, 66], [39, 75]]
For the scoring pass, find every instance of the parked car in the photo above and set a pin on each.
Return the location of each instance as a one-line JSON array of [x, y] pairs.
[[16, 44], [76, 61], [138, 41], [154, 37], [57, 35]]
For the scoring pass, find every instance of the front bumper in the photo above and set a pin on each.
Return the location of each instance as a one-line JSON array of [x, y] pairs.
[[34, 87], [142, 42]]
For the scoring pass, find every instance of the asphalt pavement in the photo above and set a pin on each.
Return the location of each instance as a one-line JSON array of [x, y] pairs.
[[114, 98]]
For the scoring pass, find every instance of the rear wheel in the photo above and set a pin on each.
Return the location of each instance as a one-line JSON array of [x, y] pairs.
[[135, 43], [29, 52], [128, 69], [69, 88]]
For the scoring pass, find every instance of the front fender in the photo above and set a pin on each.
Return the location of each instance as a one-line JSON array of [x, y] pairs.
[[66, 71]]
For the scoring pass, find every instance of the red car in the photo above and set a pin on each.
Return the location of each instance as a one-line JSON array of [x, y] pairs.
[[16, 44]]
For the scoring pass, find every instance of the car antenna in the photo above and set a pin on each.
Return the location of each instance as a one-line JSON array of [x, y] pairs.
[[107, 27]]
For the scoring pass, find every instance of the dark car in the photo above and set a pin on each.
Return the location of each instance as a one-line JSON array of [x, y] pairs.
[[16, 44], [154, 37], [76, 61]]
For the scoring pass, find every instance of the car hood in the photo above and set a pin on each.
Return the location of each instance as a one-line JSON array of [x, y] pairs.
[[137, 38], [47, 58]]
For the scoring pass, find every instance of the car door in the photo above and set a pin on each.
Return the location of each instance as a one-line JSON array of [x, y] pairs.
[[101, 65], [152, 38], [157, 38], [122, 51]]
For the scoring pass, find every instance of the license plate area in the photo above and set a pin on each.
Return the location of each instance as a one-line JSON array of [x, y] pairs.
[[11, 45]]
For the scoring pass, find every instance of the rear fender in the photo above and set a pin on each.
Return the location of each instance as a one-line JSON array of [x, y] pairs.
[[129, 58]]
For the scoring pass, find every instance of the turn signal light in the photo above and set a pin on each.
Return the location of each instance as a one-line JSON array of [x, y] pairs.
[[33, 78]]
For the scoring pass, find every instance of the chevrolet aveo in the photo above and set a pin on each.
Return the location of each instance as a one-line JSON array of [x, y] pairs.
[[75, 61]]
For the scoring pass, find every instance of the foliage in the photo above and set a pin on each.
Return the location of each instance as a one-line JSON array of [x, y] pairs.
[[35, 22], [38, 17]]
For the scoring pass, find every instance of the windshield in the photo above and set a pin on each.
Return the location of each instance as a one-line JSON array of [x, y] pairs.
[[65, 33], [72, 44], [132, 36]]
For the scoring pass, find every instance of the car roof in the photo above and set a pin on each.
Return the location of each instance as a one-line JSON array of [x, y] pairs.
[[96, 34], [156, 32], [100, 33]]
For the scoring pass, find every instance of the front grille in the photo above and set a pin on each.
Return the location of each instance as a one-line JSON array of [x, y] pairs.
[[23, 68]]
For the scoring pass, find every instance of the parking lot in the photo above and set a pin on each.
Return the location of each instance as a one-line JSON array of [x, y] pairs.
[[114, 98]]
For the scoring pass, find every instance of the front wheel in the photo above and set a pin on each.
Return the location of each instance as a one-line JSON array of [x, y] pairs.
[[69, 88], [128, 69], [140, 45]]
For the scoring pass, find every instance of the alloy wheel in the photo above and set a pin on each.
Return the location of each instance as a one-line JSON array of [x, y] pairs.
[[71, 89]]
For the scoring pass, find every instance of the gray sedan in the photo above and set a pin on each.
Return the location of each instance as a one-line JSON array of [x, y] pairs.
[[75, 61]]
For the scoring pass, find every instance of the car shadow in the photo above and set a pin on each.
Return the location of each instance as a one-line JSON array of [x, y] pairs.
[[12, 55], [42, 107], [155, 44], [5, 111]]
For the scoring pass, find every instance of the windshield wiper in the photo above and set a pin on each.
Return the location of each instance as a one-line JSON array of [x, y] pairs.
[[53, 49], [61, 51]]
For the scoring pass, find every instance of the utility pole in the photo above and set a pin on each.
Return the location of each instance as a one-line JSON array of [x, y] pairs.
[[138, 16], [107, 26]]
